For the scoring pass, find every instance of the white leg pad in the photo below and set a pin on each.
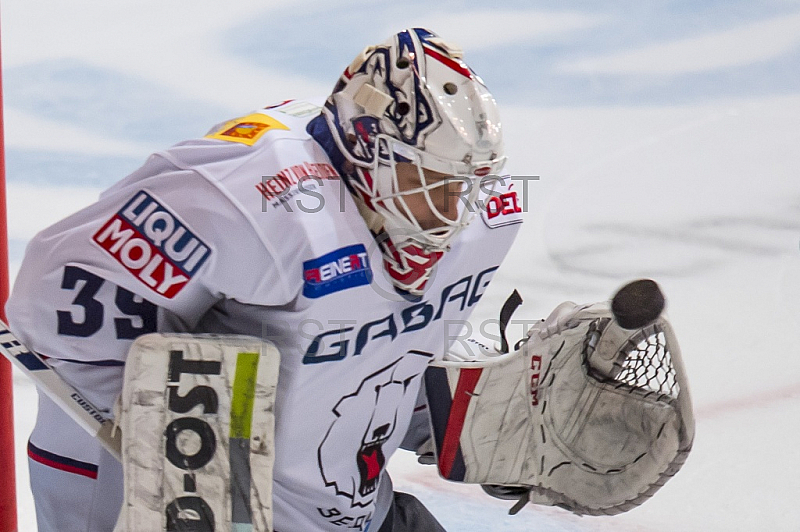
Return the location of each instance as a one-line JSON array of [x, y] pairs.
[[197, 416]]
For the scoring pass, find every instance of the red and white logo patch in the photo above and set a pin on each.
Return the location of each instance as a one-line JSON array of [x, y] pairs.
[[503, 207], [149, 241]]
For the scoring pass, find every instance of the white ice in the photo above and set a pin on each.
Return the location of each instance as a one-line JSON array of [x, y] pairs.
[[665, 137]]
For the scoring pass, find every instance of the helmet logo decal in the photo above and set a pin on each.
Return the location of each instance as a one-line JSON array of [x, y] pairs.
[[366, 130]]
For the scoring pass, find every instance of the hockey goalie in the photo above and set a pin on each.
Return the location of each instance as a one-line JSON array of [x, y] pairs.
[[591, 412], [347, 233]]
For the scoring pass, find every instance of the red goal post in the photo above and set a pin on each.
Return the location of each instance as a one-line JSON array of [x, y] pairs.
[[8, 495]]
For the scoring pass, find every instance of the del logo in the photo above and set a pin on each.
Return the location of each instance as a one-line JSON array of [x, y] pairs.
[[502, 209], [151, 243], [341, 269]]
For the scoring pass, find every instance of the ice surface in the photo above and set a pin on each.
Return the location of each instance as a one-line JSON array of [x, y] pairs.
[[666, 140]]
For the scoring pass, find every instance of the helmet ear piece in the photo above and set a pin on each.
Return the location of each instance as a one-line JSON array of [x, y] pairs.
[[372, 100]]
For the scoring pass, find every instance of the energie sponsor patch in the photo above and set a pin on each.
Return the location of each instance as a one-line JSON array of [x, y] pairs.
[[340, 269], [153, 245]]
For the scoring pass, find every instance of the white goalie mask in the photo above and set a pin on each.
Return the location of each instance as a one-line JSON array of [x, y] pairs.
[[412, 105]]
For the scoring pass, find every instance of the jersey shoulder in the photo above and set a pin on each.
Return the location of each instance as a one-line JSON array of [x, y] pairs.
[[248, 130], [190, 222], [267, 173], [262, 136]]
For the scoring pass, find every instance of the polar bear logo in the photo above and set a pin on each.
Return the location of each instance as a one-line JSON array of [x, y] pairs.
[[351, 456]]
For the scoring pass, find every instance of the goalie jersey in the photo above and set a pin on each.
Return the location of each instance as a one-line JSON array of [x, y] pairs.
[[250, 230]]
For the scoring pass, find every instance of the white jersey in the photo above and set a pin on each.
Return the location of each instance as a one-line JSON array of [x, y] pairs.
[[250, 230]]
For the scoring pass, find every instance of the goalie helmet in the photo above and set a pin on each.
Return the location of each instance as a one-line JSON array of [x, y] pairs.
[[413, 100]]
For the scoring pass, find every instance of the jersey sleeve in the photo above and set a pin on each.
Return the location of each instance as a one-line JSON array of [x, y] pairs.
[[153, 254]]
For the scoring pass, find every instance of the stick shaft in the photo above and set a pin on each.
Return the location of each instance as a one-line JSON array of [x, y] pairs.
[[80, 409]]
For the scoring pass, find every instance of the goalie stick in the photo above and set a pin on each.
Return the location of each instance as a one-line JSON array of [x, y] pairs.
[[80, 409]]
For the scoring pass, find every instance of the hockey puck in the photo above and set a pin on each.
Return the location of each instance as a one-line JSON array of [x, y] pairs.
[[637, 304]]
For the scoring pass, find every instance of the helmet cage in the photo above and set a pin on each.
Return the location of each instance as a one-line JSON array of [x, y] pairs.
[[388, 197]]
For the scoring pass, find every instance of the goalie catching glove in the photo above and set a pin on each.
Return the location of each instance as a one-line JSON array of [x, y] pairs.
[[585, 415]]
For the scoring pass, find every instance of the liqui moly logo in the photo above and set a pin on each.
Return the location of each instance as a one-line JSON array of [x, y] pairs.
[[153, 244], [343, 268]]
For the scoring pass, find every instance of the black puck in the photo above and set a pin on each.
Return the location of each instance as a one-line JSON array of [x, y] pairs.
[[637, 304]]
